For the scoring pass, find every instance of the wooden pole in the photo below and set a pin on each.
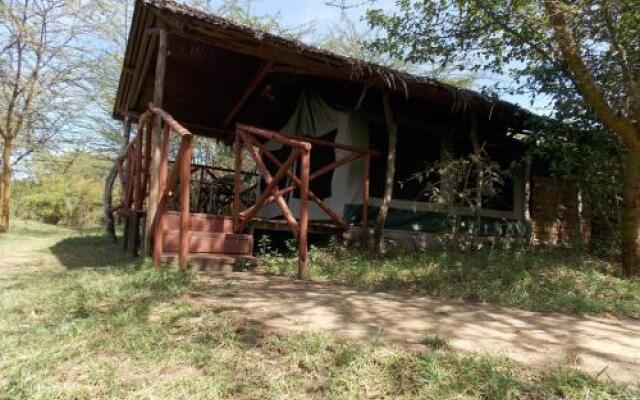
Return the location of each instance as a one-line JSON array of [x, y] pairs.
[[148, 139], [154, 189], [237, 182], [303, 256], [185, 186], [392, 131], [365, 201], [158, 231]]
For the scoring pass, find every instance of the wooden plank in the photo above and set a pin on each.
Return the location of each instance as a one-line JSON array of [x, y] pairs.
[[303, 256], [185, 188], [255, 81], [154, 187]]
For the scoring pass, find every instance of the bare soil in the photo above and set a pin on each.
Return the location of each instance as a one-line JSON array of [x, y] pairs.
[[599, 346]]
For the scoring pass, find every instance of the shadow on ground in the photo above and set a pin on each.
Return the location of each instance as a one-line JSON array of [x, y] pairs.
[[91, 251]]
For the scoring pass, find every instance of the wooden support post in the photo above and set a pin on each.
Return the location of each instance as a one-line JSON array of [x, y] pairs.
[[237, 182], [365, 200], [303, 256], [389, 181], [154, 189], [158, 231], [185, 186], [148, 139]]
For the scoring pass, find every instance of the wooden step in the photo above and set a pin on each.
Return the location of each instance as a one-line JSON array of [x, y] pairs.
[[210, 242], [199, 222], [215, 262]]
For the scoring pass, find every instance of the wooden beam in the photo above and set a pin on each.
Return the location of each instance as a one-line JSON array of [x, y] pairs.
[[303, 249], [185, 213], [255, 81], [158, 228], [143, 60], [154, 189]]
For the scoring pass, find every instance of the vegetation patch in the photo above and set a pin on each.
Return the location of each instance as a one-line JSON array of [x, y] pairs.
[[130, 331], [538, 280]]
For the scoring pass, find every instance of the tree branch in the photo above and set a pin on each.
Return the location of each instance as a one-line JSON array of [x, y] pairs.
[[584, 79]]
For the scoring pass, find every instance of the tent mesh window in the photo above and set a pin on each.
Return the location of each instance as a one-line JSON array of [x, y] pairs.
[[416, 150]]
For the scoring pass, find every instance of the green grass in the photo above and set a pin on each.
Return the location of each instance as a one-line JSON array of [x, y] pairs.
[[541, 280], [81, 321]]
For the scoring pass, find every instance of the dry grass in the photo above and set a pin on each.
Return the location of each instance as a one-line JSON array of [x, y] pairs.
[[537, 280], [79, 321]]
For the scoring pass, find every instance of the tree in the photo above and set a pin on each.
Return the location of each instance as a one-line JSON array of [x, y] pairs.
[[42, 67], [584, 54]]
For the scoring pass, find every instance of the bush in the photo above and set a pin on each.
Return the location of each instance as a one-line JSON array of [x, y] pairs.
[[62, 190]]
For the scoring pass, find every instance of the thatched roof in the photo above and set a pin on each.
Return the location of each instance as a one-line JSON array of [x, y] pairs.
[[201, 37]]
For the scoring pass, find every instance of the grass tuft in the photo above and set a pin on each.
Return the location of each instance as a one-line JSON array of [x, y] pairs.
[[549, 280], [117, 329]]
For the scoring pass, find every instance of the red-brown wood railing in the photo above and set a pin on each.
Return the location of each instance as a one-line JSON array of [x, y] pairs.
[[168, 182], [135, 175], [255, 140], [134, 170]]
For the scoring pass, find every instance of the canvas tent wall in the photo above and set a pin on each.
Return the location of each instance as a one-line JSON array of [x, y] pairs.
[[421, 143], [313, 117]]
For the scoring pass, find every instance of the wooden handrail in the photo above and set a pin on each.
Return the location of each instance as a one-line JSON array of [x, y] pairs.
[[270, 135], [169, 120], [182, 171], [301, 140], [250, 136]]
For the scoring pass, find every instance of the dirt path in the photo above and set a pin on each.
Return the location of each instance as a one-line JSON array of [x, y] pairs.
[[599, 346]]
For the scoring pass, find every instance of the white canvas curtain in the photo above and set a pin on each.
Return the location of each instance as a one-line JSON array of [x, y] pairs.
[[313, 117]]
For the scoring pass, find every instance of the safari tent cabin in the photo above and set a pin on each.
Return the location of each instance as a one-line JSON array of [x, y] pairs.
[[238, 129]]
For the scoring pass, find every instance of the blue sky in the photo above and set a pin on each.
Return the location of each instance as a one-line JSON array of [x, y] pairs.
[[293, 13]]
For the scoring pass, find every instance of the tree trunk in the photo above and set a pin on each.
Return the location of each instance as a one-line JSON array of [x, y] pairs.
[[477, 150], [5, 196], [630, 231], [392, 130], [107, 197], [107, 202]]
